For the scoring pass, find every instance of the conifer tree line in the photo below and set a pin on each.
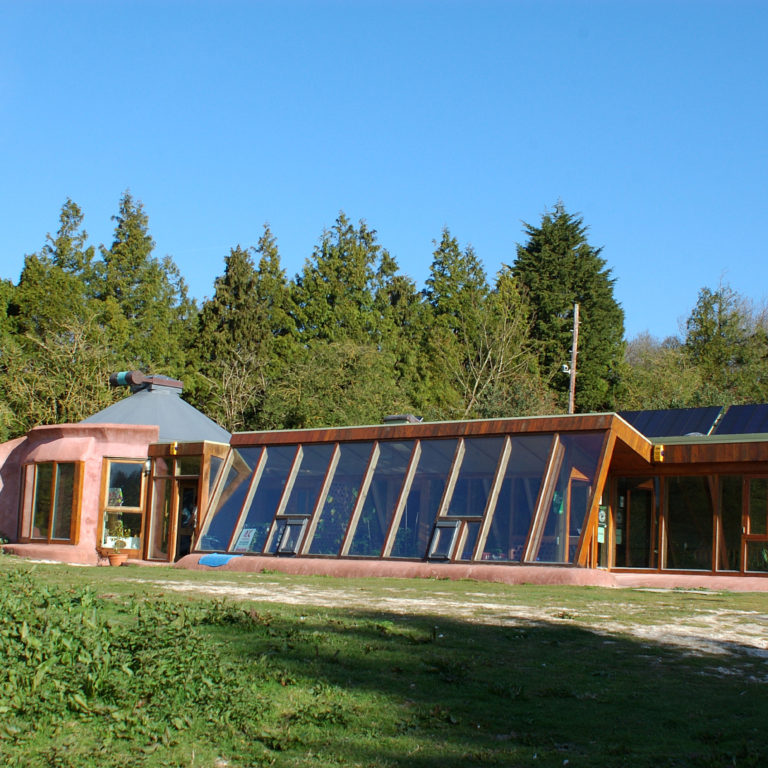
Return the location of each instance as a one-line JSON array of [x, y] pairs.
[[350, 338]]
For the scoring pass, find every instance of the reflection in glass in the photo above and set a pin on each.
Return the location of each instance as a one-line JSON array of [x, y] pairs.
[[188, 465], [478, 467], [729, 541], [757, 556], [381, 499], [689, 523], [266, 498], [575, 462], [65, 499], [758, 506], [634, 532], [162, 496], [340, 501], [473, 528], [288, 535], [215, 465], [517, 498], [222, 519], [124, 484], [42, 511], [423, 502], [309, 479]]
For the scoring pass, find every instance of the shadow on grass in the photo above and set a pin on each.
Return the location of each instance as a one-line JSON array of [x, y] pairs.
[[447, 692]]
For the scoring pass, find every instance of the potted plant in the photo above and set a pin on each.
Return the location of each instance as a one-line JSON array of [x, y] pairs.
[[117, 555]]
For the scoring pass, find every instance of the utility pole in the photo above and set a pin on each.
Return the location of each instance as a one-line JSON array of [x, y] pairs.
[[574, 352]]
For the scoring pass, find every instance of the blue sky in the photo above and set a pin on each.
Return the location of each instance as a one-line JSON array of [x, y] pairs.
[[648, 118]]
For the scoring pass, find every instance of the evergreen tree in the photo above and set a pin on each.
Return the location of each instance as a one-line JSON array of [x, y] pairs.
[[146, 306], [55, 364], [456, 297], [245, 336], [336, 292], [558, 268]]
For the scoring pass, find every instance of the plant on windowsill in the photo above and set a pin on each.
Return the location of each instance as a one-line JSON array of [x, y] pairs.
[[117, 555]]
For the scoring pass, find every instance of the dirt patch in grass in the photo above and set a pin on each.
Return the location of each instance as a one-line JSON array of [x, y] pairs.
[[708, 628]]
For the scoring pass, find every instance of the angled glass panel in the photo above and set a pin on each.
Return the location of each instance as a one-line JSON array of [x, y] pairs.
[[443, 539], [380, 501], [423, 502], [478, 466], [473, 528], [215, 464], [65, 500], [517, 498], [309, 479], [222, 520], [340, 501], [690, 515], [266, 498], [569, 504]]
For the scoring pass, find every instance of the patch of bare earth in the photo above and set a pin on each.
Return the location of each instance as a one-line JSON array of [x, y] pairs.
[[707, 631]]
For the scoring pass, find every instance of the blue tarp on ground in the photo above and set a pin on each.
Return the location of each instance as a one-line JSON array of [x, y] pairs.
[[216, 559]]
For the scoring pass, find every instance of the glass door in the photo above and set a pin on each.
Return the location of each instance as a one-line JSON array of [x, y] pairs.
[[634, 521], [756, 528]]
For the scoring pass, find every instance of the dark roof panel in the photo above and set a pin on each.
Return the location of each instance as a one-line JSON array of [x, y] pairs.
[[673, 422], [744, 420]]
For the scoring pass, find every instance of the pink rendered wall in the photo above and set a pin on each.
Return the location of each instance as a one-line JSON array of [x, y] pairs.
[[89, 443]]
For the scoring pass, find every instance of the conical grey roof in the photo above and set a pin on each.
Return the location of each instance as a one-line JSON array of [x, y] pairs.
[[157, 402]]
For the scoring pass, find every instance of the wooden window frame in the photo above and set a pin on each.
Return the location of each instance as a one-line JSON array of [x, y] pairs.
[[105, 508], [27, 517]]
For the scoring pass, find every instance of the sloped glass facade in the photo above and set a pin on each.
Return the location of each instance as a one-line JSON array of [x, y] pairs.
[[491, 497]]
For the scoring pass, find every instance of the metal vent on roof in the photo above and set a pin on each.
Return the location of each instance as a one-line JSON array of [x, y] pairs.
[[402, 418]]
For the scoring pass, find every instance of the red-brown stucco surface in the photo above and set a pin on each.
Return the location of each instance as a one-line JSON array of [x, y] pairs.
[[506, 574]]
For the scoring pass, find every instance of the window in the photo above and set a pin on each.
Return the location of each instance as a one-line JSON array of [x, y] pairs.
[[51, 501], [123, 507], [443, 539]]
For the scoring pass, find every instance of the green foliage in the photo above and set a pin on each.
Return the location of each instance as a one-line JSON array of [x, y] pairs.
[[149, 315], [726, 341], [150, 680], [660, 375], [559, 268], [334, 384], [350, 338], [337, 292]]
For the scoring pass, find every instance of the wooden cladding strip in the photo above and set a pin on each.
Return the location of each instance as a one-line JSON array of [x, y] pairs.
[[489, 427]]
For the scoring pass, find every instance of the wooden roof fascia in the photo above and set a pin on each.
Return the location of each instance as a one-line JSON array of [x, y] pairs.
[[485, 427], [633, 439]]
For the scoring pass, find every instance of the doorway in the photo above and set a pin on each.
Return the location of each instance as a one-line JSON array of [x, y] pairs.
[[635, 521], [186, 516]]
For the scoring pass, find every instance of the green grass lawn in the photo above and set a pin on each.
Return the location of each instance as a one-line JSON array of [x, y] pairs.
[[107, 667]]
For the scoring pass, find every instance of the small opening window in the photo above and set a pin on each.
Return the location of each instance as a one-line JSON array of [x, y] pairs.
[[443, 540], [289, 535]]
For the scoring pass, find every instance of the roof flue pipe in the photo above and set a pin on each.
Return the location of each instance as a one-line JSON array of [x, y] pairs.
[[127, 379]]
